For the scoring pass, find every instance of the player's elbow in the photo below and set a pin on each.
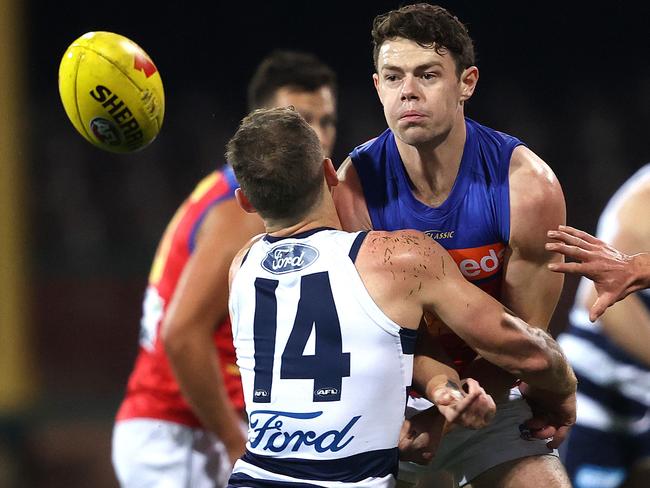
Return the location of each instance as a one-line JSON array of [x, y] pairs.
[[174, 339]]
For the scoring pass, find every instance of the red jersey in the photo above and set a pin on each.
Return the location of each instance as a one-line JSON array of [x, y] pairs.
[[152, 391]]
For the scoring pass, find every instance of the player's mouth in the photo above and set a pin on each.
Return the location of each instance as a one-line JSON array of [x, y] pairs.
[[411, 116]]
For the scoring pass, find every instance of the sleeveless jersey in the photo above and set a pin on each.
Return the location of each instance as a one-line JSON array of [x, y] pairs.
[[473, 223], [324, 371], [615, 396], [152, 391]]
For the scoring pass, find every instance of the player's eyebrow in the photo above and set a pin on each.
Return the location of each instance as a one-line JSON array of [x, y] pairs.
[[420, 67]]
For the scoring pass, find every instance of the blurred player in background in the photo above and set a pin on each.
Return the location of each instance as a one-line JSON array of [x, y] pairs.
[[610, 443], [614, 273], [181, 421], [485, 197], [325, 321]]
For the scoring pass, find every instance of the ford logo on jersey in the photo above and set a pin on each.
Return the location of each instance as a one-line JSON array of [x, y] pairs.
[[289, 257], [271, 435]]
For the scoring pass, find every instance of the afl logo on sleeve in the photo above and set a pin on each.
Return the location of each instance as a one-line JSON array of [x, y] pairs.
[[289, 257]]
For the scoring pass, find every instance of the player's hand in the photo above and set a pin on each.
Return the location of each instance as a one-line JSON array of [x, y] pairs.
[[473, 410], [553, 415], [420, 436], [611, 270]]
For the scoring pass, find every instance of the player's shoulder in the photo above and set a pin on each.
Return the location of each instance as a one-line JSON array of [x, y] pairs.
[[536, 200], [239, 257], [637, 187], [400, 248], [633, 201], [402, 262], [532, 181]]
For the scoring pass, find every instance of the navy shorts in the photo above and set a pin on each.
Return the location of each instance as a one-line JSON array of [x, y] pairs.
[[598, 459]]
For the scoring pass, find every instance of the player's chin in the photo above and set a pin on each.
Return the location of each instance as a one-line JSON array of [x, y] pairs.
[[413, 134]]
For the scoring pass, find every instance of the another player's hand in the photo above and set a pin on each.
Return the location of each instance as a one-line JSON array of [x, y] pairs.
[[420, 436], [553, 415], [611, 270], [473, 410]]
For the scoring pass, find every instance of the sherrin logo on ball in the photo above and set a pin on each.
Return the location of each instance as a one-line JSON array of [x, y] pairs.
[[112, 92]]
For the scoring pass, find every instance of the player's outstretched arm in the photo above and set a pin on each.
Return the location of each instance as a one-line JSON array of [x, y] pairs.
[[408, 273], [491, 329], [614, 273], [505, 340], [393, 275], [199, 304]]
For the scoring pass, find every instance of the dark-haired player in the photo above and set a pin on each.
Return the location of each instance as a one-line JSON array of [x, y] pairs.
[[485, 197], [324, 321]]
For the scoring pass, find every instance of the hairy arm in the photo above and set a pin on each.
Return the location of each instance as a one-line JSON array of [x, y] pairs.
[[410, 274], [199, 304], [431, 377], [394, 278], [417, 275], [496, 333]]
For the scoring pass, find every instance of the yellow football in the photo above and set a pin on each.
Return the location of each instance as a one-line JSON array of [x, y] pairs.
[[112, 92]]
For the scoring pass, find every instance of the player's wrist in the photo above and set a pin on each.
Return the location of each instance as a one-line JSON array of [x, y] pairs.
[[640, 271], [563, 387], [436, 382], [442, 389]]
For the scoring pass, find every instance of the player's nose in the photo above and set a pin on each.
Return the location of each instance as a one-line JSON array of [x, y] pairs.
[[409, 89]]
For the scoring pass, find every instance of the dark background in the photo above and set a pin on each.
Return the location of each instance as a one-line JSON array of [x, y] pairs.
[[571, 80]]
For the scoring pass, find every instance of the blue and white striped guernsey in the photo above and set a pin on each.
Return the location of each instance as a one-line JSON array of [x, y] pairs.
[[324, 370], [613, 387]]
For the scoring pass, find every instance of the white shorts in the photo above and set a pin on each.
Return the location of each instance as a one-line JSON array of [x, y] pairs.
[[466, 453], [150, 453]]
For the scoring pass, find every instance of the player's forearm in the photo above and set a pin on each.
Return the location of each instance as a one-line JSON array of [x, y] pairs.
[[539, 361], [195, 364], [558, 377]]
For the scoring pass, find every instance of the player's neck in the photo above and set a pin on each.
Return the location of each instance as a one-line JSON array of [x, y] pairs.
[[322, 215], [433, 167]]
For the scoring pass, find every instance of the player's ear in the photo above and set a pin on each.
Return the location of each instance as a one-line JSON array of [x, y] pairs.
[[331, 177], [243, 201], [375, 81], [468, 81]]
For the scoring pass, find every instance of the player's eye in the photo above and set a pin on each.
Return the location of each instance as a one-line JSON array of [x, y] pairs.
[[429, 75], [390, 77]]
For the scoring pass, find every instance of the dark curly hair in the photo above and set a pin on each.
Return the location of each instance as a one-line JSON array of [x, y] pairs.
[[430, 26]]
